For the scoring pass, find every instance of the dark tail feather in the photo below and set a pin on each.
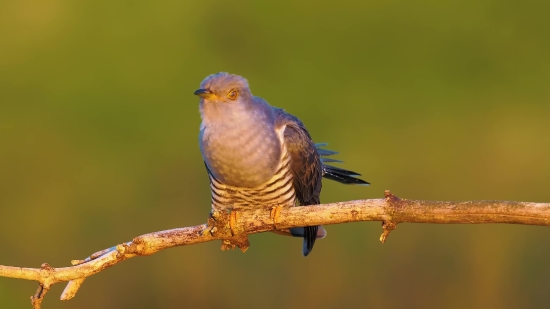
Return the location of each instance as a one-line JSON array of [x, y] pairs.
[[310, 236], [335, 173], [324, 152], [343, 176], [325, 160], [309, 233]]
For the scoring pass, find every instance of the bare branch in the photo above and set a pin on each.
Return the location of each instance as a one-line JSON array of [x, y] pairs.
[[233, 229]]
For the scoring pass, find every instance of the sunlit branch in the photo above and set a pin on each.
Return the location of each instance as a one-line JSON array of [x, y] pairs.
[[233, 229]]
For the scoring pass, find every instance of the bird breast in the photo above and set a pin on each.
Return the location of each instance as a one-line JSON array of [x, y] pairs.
[[246, 155]]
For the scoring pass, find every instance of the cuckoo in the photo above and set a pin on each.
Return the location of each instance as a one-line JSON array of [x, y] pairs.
[[260, 157]]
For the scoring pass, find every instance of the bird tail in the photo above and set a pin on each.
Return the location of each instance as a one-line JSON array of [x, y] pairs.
[[308, 233], [335, 173]]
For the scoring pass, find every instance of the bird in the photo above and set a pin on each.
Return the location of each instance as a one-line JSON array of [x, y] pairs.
[[259, 157]]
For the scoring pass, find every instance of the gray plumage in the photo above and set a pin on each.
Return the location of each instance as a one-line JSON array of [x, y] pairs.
[[258, 156]]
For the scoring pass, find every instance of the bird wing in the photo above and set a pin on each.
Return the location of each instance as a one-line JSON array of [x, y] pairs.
[[306, 168], [305, 162]]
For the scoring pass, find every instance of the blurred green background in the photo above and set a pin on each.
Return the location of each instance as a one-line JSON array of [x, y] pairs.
[[437, 100]]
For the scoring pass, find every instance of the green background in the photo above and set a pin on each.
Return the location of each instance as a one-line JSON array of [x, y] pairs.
[[435, 100]]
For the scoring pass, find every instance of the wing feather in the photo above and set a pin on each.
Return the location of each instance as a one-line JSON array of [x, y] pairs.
[[306, 168]]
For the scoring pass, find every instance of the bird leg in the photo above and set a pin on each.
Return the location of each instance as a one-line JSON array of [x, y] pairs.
[[225, 226], [219, 221], [238, 238], [233, 220], [212, 223], [275, 214]]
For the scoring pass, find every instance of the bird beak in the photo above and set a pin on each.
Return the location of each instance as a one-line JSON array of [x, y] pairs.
[[204, 93]]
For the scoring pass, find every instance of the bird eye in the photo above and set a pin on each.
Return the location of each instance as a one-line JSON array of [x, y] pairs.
[[233, 94]]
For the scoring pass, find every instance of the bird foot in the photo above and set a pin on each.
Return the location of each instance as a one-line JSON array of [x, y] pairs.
[[225, 226], [275, 214], [214, 221], [209, 230], [233, 221], [238, 238], [223, 222]]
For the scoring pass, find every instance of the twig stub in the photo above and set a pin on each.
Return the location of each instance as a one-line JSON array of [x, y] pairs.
[[387, 227]]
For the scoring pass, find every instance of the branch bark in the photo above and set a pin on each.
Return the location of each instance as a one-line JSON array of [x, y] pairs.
[[233, 229]]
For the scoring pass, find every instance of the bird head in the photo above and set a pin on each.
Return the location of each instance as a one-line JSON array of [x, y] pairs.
[[223, 88]]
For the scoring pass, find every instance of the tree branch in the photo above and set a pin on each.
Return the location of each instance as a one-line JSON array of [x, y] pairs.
[[233, 229]]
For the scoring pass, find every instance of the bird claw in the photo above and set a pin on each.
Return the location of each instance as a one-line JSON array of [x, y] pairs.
[[209, 230], [212, 223], [275, 214]]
